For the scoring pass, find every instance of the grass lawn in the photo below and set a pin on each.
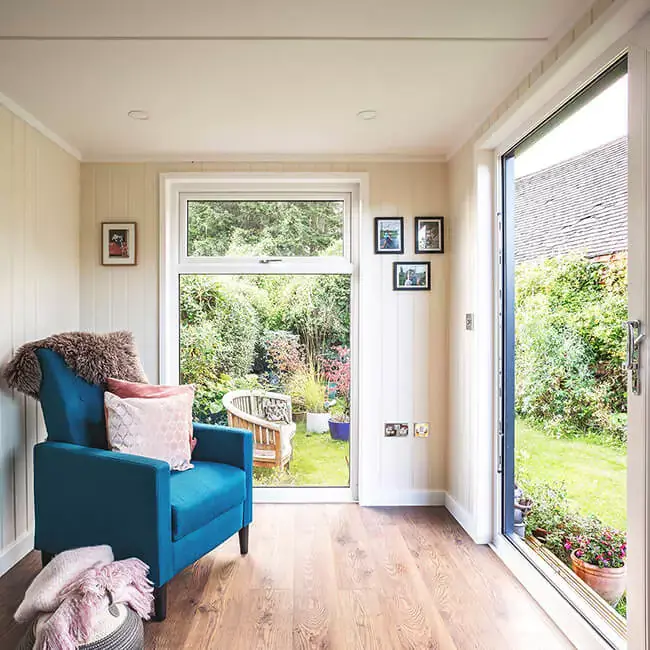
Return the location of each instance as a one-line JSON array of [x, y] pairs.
[[317, 460], [594, 474]]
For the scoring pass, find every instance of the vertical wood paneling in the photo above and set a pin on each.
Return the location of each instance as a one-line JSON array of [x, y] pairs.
[[461, 245], [404, 346], [39, 295]]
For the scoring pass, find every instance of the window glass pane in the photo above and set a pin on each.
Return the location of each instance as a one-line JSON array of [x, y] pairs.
[[265, 228]]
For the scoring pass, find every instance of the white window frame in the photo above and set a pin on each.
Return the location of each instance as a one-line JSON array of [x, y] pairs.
[[176, 189]]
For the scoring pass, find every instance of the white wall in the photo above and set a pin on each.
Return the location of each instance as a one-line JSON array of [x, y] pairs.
[[408, 354], [39, 295]]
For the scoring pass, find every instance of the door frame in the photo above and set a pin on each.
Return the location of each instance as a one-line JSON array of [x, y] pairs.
[[543, 585], [175, 189]]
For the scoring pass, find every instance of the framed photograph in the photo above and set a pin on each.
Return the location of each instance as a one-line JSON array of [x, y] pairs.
[[118, 244], [421, 429], [429, 234], [412, 276], [389, 235]]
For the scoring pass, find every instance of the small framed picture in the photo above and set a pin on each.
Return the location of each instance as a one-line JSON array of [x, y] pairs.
[[429, 235], [412, 276], [118, 244], [389, 235], [421, 429]]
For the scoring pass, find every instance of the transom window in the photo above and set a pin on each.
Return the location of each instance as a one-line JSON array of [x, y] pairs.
[[257, 227]]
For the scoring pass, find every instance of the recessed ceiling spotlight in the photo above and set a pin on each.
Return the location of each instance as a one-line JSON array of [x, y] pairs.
[[367, 115], [139, 115]]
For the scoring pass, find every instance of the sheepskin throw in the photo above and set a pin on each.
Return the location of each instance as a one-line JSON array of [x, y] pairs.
[[94, 357]]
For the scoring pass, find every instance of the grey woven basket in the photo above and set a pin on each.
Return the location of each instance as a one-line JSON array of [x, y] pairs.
[[129, 636]]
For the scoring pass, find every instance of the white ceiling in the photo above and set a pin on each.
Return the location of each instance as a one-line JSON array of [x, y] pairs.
[[289, 84]]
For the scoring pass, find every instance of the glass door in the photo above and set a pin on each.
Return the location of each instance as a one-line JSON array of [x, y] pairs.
[[565, 342]]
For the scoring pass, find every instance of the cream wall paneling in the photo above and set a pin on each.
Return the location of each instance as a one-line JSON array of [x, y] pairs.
[[39, 295], [405, 352]]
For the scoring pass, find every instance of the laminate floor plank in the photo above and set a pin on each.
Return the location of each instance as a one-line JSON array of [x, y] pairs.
[[509, 607], [337, 577]]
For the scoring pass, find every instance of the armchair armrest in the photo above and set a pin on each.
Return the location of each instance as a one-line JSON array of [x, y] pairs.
[[85, 496], [229, 446], [224, 445]]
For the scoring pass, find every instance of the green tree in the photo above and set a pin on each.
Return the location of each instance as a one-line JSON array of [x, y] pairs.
[[275, 228]]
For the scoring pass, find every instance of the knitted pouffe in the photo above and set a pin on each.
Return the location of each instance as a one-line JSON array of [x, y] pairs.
[[119, 629]]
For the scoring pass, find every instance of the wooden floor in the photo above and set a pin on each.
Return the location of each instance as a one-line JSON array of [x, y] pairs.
[[338, 577]]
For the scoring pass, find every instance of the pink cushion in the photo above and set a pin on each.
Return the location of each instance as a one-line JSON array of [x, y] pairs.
[[126, 389], [155, 428]]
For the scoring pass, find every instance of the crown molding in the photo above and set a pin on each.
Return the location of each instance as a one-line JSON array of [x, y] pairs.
[[208, 157], [28, 118]]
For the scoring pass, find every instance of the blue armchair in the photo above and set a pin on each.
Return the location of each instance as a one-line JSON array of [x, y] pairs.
[[86, 495]]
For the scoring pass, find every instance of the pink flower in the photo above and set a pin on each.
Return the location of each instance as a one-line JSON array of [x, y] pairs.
[[567, 546]]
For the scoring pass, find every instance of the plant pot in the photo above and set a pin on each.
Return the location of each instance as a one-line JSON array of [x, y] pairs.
[[520, 529], [608, 583], [339, 430], [317, 422]]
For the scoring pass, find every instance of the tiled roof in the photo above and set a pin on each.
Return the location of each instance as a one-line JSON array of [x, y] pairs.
[[577, 205]]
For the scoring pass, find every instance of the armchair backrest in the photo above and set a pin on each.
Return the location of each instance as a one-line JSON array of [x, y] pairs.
[[73, 409]]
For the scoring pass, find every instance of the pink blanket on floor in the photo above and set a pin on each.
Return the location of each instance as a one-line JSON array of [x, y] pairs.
[[71, 591]]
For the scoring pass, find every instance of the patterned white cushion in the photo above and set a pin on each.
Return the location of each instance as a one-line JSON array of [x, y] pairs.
[[156, 428]]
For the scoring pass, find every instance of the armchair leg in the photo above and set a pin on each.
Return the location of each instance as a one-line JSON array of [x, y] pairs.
[[243, 540], [159, 603], [46, 558]]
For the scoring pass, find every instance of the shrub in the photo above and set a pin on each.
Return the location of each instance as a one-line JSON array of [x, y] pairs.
[[219, 331], [281, 353], [570, 345], [551, 518], [208, 407], [317, 308], [307, 391], [337, 371]]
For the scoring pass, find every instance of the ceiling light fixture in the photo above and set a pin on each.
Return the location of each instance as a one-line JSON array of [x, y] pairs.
[[367, 115], [138, 115]]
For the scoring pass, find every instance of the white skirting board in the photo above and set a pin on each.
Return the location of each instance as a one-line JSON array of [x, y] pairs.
[[464, 518], [16, 551], [404, 498]]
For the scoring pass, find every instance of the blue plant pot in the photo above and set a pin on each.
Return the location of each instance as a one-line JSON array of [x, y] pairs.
[[339, 430]]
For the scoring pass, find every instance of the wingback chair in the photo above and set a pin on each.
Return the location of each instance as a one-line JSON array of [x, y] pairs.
[[86, 495]]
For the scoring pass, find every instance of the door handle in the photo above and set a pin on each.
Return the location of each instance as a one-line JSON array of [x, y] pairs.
[[633, 353]]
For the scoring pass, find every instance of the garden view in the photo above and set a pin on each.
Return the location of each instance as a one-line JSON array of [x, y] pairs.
[[570, 400], [272, 333]]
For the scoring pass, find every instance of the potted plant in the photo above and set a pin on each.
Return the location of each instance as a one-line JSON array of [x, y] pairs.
[[339, 421], [337, 372], [598, 558], [314, 392]]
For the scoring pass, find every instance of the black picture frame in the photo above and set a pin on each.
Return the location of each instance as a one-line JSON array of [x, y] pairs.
[[440, 248], [389, 251], [411, 287]]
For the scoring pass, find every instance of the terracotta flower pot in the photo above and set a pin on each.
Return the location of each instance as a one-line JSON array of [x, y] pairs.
[[608, 583]]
